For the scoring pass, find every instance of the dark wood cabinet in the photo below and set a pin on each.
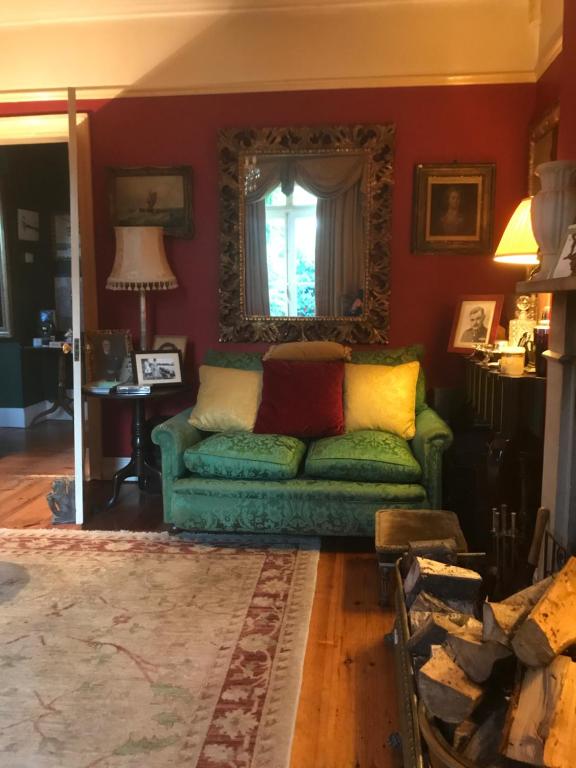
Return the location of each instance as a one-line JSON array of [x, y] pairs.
[[497, 453]]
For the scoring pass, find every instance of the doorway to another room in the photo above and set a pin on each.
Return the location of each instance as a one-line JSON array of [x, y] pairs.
[[36, 427]]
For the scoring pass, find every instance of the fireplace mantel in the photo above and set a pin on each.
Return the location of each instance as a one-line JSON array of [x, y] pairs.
[[559, 470]]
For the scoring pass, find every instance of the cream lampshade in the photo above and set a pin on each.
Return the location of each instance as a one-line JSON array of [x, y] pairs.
[[518, 244], [140, 264]]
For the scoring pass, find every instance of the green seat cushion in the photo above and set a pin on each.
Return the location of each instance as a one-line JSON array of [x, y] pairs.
[[396, 356], [246, 456], [365, 456]]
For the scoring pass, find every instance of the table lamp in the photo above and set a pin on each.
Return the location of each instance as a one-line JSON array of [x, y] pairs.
[[140, 264], [518, 244]]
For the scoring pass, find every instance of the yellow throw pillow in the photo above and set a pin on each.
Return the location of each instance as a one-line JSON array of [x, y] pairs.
[[228, 399], [381, 397], [308, 350]]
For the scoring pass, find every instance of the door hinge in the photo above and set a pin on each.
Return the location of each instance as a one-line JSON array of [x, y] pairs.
[[76, 350]]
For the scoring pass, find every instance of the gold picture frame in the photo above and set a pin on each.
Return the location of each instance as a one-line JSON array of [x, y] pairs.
[[543, 145], [453, 207]]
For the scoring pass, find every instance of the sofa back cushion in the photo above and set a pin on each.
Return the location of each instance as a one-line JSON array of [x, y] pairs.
[[308, 350], [381, 397], [301, 398], [228, 399], [244, 456], [397, 356]]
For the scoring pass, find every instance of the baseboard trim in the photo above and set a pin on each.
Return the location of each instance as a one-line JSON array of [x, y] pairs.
[[21, 418]]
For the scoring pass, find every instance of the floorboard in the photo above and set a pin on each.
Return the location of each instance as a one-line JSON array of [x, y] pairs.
[[347, 705]]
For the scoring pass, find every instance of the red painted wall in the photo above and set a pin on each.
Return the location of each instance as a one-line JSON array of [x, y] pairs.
[[433, 124]]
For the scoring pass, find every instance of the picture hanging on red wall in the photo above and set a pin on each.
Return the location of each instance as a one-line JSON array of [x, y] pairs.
[[453, 208], [153, 197], [475, 322]]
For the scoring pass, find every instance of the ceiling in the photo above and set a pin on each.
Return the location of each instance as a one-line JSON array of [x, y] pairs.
[[134, 47]]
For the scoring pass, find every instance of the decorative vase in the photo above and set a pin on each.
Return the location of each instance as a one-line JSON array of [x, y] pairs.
[[553, 210]]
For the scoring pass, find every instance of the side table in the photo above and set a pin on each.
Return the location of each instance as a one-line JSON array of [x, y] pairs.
[[138, 466]]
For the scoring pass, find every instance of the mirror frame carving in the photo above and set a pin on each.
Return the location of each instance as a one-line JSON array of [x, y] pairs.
[[376, 142]]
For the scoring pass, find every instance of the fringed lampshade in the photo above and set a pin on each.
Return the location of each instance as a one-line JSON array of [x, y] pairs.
[[140, 265]]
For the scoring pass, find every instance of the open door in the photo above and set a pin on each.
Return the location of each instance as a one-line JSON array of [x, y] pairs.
[[84, 308]]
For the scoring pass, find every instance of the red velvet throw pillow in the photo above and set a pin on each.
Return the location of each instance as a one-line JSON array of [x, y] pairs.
[[301, 398]]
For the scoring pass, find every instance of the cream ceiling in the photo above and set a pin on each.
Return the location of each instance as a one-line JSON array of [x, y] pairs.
[[133, 47]]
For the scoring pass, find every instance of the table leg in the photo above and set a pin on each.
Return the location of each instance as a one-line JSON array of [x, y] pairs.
[[138, 466]]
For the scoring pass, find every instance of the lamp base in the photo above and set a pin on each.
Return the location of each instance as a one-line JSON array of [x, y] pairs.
[[143, 322]]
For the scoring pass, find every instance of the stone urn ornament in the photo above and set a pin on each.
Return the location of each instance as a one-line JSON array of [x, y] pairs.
[[553, 210]]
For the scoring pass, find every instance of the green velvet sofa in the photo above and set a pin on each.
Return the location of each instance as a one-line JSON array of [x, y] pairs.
[[225, 493]]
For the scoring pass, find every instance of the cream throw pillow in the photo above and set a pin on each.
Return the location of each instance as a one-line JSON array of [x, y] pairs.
[[308, 350], [228, 399], [381, 397]]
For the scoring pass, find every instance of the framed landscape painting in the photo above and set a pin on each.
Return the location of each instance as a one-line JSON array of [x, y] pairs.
[[153, 197], [453, 208], [475, 322]]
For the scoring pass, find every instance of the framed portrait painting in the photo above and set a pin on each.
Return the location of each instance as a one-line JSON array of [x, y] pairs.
[[453, 208], [108, 356], [475, 322], [153, 197]]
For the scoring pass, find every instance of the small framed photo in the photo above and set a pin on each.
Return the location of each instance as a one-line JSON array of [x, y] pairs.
[[475, 322], [153, 197], [108, 356], [155, 367], [453, 208], [171, 344]]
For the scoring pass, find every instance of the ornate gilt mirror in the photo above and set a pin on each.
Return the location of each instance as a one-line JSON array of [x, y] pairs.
[[305, 233]]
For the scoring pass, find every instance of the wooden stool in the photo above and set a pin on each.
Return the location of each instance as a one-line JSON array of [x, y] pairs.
[[396, 527]]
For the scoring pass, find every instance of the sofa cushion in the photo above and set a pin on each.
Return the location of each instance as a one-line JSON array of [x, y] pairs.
[[381, 397], [228, 400], [396, 356], [301, 398], [245, 456], [244, 361], [308, 350], [365, 456]]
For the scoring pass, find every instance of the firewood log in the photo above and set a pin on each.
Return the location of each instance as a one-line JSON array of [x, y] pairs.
[[501, 620], [541, 721], [443, 581], [484, 744], [427, 603], [550, 627], [445, 690], [463, 733], [441, 550], [474, 656], [433, 631]]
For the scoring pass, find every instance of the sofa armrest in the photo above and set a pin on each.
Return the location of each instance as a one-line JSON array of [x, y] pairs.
[[174, 436], [433, 436]]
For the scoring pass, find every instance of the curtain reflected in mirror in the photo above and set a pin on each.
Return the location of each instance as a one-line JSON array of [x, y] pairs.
[[305, 216], [305, 236]]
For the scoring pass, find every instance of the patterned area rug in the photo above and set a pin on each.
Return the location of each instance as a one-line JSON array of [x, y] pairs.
[[144, 651]]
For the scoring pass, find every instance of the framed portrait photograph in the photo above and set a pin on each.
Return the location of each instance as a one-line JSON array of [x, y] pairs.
[[153, 197], [171, 344], [108, 356], [453, 208], [475, 322], [543, 145], [156, 367]]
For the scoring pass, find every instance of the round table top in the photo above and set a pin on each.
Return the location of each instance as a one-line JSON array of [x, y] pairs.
[[160, 390]]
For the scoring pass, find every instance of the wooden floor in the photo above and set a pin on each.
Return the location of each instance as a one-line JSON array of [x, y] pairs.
[[347, 706]]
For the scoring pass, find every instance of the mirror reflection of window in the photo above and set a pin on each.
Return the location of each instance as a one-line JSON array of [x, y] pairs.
[[290, 252]]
